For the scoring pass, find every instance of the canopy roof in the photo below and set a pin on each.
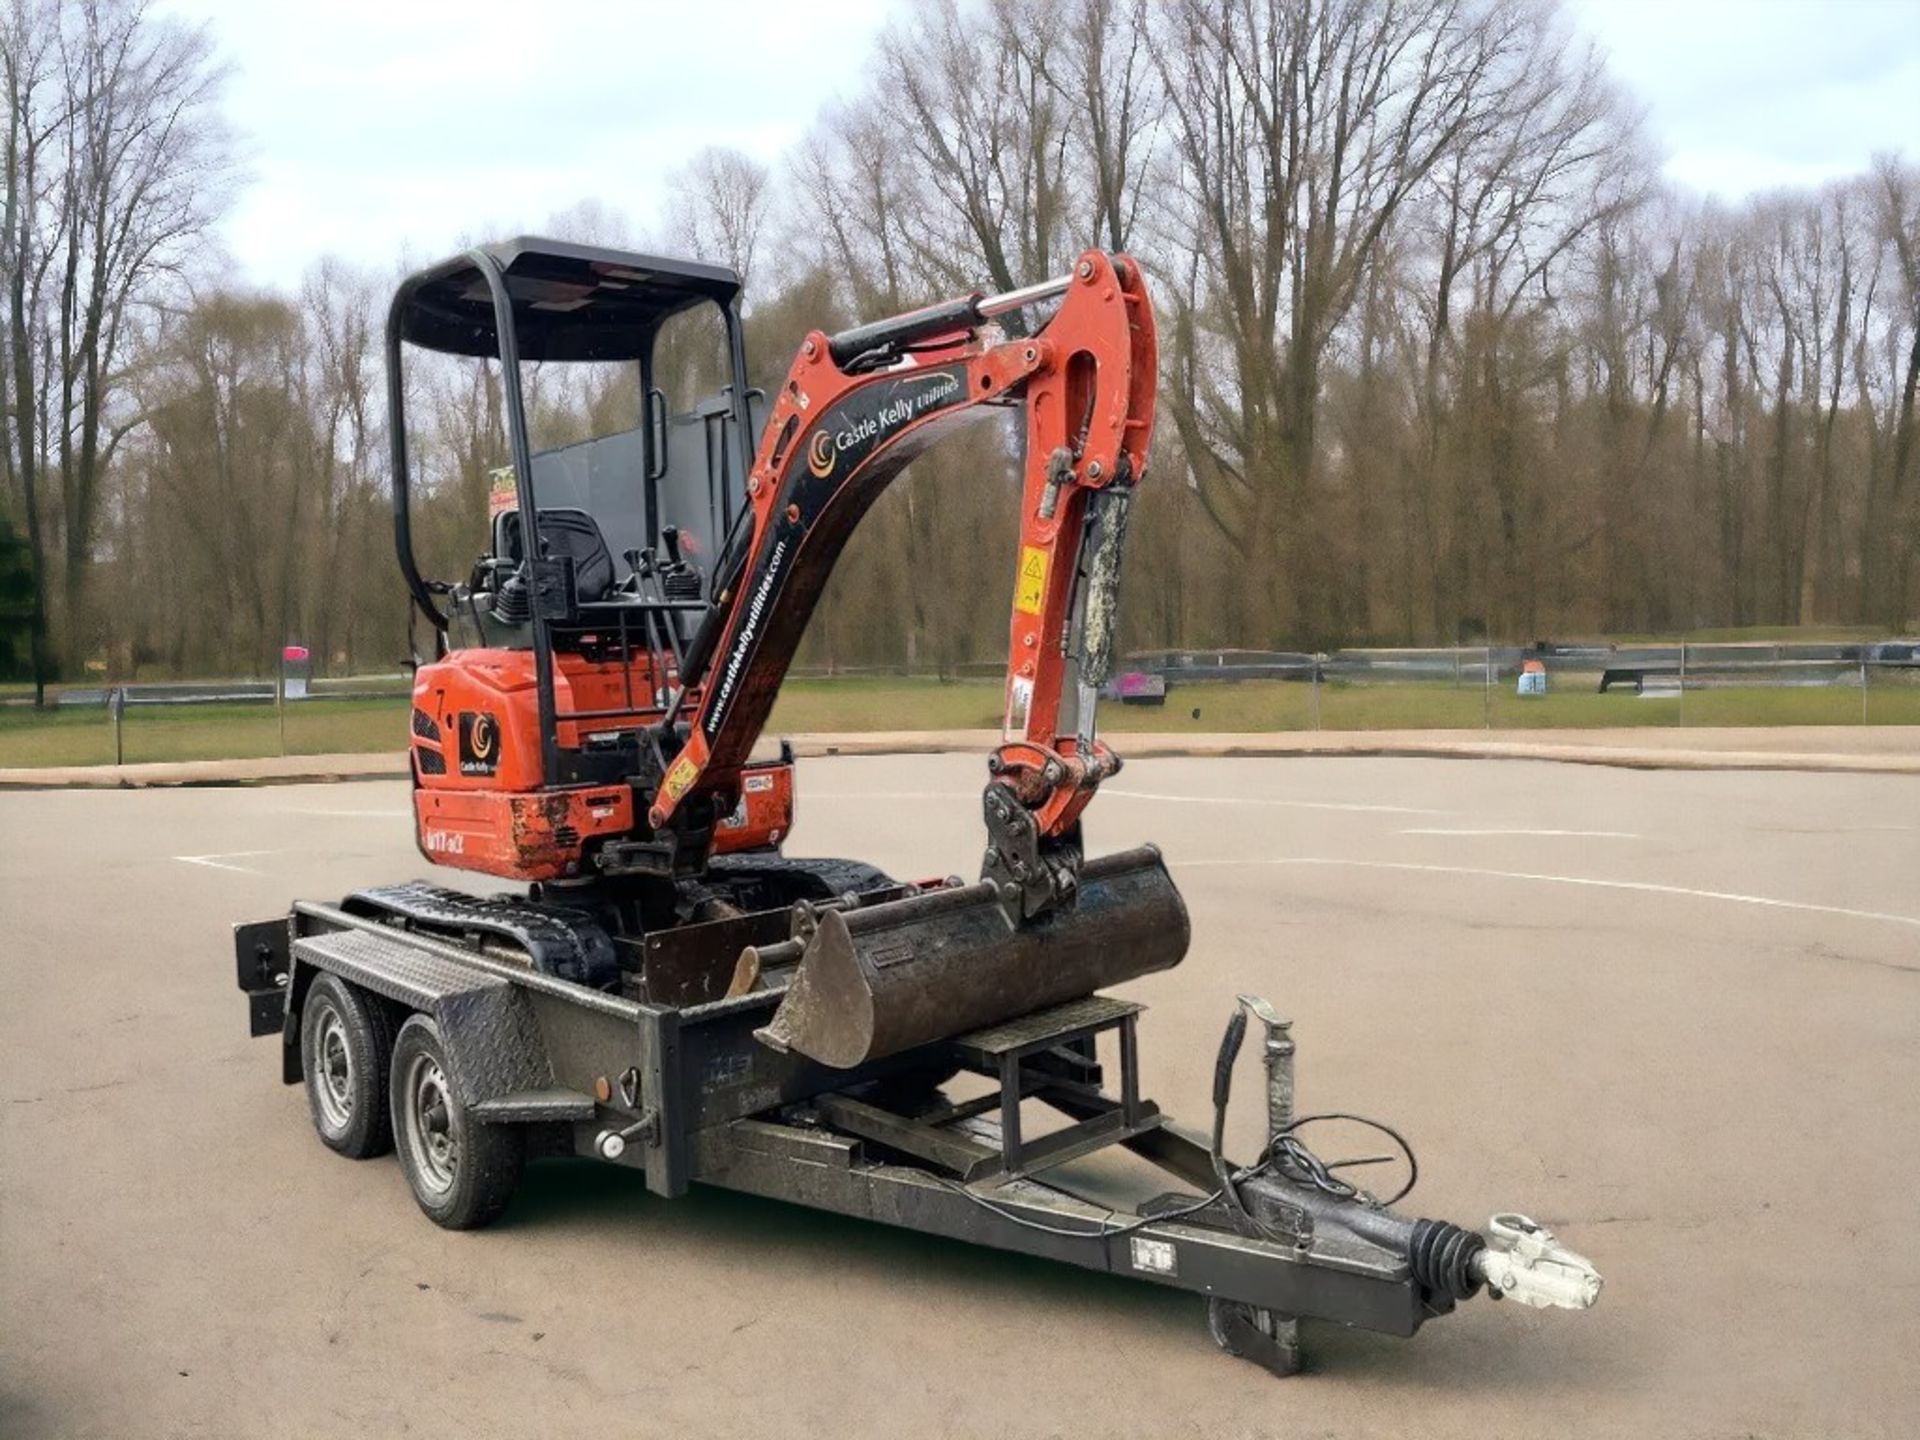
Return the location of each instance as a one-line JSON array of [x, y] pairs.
[[570, 302]]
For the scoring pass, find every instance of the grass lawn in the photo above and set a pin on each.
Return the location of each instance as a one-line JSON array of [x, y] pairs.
[[885, 702], [81, 735], [1258, 705], [1759, 635]]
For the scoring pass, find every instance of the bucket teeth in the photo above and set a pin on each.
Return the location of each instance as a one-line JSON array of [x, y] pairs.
[[876, 982]]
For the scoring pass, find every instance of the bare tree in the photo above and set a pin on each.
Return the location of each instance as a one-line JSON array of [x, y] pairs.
[[854, 200], [116, 163], [342, 314], [983, 134], [36, 114], [1301, 127], [718, 206], [1439, 358], [1095, 56], [1898, 213], [1548, 162]]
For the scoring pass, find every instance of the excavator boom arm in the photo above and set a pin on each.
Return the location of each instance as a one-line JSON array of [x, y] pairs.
[[853, 411]]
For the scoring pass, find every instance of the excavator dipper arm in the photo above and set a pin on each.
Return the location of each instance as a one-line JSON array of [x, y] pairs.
[[853, 411]]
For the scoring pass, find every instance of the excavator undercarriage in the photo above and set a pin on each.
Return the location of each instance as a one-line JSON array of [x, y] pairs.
[[667, 990]]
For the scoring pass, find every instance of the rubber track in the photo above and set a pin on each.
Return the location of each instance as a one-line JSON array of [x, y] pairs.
[[559, 941], [786, 880]]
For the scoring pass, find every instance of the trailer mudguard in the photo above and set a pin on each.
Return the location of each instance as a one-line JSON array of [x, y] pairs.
[[494, 1043]]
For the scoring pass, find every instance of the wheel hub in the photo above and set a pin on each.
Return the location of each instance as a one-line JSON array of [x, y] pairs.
[[334, 1068], [430, 1141]]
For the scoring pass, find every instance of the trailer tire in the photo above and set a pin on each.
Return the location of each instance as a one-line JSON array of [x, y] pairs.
[[461, 1170], [346, 1054]]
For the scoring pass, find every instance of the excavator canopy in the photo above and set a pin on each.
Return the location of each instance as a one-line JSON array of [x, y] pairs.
[[570, 302]]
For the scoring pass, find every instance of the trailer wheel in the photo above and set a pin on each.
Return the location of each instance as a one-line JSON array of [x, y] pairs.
[[346, 1048], [462, 1171]]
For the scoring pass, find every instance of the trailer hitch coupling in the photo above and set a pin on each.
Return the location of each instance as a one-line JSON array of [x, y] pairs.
[[1291, 1192], [1524, 1262], [877, 981]]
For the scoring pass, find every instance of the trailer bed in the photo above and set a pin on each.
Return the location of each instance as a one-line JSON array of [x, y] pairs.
[[687, 1095]]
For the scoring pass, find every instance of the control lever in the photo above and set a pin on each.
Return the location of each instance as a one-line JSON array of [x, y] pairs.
[[1524, 1262], [640, 566]]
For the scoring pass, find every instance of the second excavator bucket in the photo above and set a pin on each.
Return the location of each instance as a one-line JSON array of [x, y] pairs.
[[875, 982]]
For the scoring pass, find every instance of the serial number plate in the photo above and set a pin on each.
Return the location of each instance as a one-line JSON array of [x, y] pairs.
[[1157, 1256]]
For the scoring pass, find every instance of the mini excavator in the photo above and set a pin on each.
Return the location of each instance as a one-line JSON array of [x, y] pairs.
[[667, 990], [593, 734]]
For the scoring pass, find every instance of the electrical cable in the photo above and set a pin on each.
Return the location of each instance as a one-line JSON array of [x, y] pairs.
[[1317, 1173], [1104, 1231]]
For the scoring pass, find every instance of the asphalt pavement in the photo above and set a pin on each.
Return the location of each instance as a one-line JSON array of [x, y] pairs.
[[1674, 1015]]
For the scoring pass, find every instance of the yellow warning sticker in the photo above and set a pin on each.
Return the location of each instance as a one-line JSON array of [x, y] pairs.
[[680, 776], [1032, 589]]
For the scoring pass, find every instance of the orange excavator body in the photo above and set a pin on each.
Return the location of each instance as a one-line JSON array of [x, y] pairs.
[[602, 737], [480, 804]]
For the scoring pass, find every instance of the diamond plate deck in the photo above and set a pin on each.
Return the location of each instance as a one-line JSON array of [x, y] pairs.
[[1055, 1023], [391, 967], [494, 1045]]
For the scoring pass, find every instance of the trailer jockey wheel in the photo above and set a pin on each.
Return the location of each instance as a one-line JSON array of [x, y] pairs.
[[346, 1045], [1266, 1337], [462, 1171]]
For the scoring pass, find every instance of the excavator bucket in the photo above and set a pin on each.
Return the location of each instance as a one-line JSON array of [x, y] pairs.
[[875, 982]]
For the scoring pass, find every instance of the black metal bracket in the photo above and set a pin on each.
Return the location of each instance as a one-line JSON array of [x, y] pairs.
[[1045, 1056], [1268, 1338], [1033, 875], [264, 961], [1005, 1050]]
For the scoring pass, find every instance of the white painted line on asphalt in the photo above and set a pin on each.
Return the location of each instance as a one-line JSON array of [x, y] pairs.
[[1128, 795], [217, 861], [1570, 834], [1644, 886], [887, 795], [1262, 800]]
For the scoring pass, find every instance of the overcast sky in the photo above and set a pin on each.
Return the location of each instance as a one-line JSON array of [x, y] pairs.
[[390, 130]]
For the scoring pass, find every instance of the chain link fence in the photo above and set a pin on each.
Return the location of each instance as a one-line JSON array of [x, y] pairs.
[[1483, 687], [100, 724], [1546, 685]]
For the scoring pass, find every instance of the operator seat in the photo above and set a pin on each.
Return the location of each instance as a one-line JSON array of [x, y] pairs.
[[568, 532]]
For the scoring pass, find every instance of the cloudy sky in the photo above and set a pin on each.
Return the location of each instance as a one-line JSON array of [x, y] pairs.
[[391, 130]]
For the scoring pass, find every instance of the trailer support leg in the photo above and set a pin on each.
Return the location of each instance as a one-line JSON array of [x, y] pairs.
[[1268, 1338]]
